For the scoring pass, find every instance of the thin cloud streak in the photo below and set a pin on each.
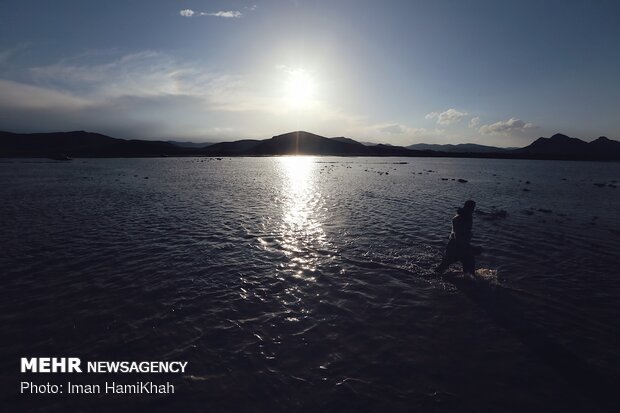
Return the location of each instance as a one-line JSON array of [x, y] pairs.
[[229, 14]]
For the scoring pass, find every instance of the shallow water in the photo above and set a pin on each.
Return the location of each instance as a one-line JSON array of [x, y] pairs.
[[305, 283]]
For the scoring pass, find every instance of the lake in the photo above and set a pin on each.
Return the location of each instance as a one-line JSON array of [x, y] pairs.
[[307, 283]]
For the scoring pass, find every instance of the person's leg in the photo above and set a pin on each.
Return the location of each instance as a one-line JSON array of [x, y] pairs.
[[449, 257], [443, 265], [469, 264]]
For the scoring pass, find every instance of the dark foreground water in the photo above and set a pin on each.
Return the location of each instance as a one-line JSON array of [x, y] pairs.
[[305, 284]]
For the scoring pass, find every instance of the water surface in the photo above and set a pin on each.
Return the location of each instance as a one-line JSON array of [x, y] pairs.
[[306, 284]]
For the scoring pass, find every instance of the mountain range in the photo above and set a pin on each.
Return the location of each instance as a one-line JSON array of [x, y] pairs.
[[88, 144], [458, 148], [563, 147]]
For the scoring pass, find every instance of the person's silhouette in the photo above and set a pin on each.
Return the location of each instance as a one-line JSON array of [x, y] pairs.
[[459, 247]]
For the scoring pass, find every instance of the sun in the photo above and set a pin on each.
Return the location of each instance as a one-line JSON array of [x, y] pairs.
[[300, 87]]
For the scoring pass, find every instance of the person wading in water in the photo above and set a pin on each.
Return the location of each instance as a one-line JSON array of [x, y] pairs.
[[459, 247]]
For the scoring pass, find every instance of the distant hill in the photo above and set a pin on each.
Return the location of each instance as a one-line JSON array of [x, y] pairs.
[[302, 142], [88, 144], [305, 143], [347, 140], [563, 147], [459, 148], [605, 145], [80, 143]]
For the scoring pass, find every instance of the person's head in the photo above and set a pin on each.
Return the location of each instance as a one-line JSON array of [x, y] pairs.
[[468, 207]]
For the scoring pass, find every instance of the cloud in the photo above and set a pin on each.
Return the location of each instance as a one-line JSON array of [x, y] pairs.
[[474, 122], [146, 94], [22, 96], [393, 128], [406, 131], [448, 117], [143, 74], [398, 134], [506, 127], [230, 14]]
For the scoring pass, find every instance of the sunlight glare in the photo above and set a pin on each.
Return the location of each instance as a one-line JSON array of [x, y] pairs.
[[300, 87]]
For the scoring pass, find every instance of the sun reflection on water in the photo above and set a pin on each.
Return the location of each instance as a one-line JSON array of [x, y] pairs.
[[301, 230]]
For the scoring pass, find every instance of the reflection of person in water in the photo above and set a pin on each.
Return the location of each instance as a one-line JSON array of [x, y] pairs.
[[459, 247]]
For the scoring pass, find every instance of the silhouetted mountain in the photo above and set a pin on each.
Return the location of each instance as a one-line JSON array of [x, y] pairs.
[[560, 146], [80, 143], [605, 145], [347, 140], [392, 150], [306, 143], [301, 142], [459, 148]]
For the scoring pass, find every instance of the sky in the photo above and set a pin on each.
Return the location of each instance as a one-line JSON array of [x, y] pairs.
[[491, 72]]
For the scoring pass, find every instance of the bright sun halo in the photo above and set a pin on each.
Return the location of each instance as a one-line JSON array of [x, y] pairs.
[[300, 87]]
